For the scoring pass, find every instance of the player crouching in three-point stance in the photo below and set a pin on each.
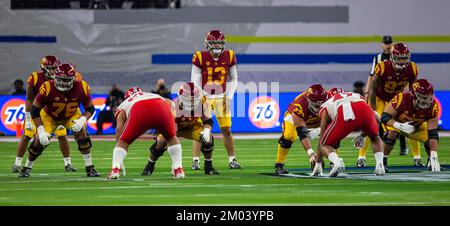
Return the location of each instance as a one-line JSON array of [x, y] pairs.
[[302, 114], [193, 121], [415, 115], [340, 115], [60, 99], [139, 112]]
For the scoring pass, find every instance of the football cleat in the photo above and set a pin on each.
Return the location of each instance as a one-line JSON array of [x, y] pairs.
[[195, 165], [15, 168], [148, 170], [25, 172], [114, 174], [178, 173], [69, 168], [418, 162], [209, 168], [91, 171], [337, 168], [379, 169], [361, 163], [279, 169], [234, 165]]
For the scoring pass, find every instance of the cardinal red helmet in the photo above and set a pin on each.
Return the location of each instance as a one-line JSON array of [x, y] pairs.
[[132, 91], [49, 64], [333, 91], [400, 56], [64, 77], [316, 96], [189, 95], [423, 93], [215, 41]]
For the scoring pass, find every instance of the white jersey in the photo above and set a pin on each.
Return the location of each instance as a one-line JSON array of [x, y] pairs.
[[128, 103], [342, 99]]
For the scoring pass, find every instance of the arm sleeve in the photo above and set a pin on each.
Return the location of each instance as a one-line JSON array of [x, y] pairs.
[[233, 83], [374, 63], [196, 77]]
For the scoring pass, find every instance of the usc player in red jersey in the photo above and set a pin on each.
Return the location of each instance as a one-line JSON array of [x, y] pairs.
[[193, 121], [415, 115], [35, 80], [59, 99], [391, 78], [210, 72], [302, 113]]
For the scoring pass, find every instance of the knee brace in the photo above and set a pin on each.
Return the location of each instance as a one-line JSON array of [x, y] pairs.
[[207, 146], [157, 152], [36, 148], [83, 143], [389, 141], [285, 143]]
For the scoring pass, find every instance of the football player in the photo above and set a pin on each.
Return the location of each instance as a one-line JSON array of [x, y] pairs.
[[302, 113], [194, 122], [139, 112], [415, 114], [59, 100], [210, 72], [35, 80], [340, 115], [391, 78]]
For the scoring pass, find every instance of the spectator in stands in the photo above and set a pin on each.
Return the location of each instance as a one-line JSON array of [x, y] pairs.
[[161, 89], [358, 87], [116, 96], [18, 86]]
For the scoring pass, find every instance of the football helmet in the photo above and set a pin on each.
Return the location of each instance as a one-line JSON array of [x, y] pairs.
[[49, 64], [190, 96], [132, 91], [64, 77], [400, 57], [215, 42], [316, 96], [423, 93], [333, 91]]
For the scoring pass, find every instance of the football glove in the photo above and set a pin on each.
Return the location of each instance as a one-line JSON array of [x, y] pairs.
[[78, 124], [205, 135], [312, 155], [405, 127], [318, 170], [434, 163], [314, 133], [28, 122], [358, 142], [44, 137]]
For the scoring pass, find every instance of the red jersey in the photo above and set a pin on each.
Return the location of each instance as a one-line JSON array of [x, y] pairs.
[[403, 103], [61, 106], [214, 72], [300, 108], [393, 82], [35, 80]]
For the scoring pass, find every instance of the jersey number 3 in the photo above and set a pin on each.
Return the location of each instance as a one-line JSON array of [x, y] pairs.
[[220, 70]]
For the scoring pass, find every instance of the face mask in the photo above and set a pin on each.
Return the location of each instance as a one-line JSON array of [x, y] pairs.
[[162, 86], [217, 51]]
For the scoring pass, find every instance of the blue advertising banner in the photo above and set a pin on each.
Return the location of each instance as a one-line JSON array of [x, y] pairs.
[[251, 112]]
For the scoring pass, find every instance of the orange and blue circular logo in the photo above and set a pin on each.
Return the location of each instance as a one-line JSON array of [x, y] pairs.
[[13, 110], [440, 108], [100, 105], [264, 112]]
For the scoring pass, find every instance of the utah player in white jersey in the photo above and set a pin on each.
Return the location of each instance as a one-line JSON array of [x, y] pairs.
[[340, 115], [139, 112]]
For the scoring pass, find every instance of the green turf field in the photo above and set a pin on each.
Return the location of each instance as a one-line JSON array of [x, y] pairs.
[[50, 185]]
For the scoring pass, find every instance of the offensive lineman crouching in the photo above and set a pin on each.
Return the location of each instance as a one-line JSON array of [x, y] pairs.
[[415, 115], [193, 121], [60, 99]]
